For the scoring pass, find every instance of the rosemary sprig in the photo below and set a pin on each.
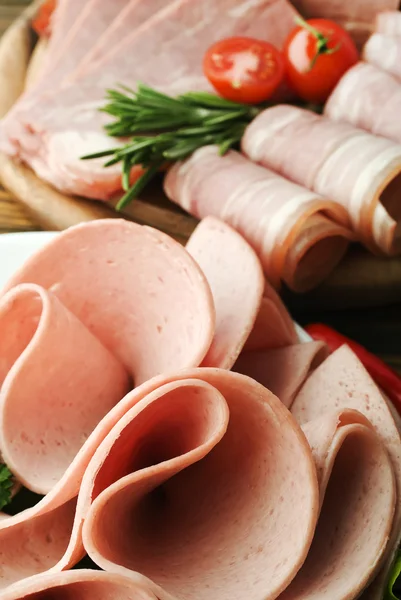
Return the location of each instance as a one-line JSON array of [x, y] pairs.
[[166, 129]]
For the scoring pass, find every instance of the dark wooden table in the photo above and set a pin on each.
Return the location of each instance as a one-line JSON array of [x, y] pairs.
[[379, 329]]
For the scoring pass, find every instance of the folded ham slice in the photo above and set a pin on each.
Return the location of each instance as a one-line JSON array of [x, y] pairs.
[[369, 98], [341, 382], [384, 51], [283, 370], [82, 584], [274, 327], [357, 495], [52, 135], [46, 414], [388, 22], [357, 17], [235, 276], [193, 515], [271, 213], [360, 171], [136, 289]]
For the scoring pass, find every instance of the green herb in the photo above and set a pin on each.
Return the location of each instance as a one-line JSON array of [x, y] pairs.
[[163, 129], [6, 484], [394, 575]]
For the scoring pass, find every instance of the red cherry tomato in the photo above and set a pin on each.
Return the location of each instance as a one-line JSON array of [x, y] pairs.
[[243, 69], [317, 54], [41, 22]]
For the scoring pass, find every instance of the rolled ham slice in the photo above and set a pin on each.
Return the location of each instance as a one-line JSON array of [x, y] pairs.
[[273, 214], [388, 22], [358, 16], [360, 171], [283, 370], [341, 382], [384, 51], [369, 98], [177, 504], [136, 289], [84, 584], [236, 279], [357, 495], [57, 383]]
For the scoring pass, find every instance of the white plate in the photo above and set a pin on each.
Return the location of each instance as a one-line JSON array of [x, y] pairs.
[[15, 248]]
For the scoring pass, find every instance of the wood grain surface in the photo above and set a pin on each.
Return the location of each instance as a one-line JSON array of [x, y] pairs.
[[379, 329]]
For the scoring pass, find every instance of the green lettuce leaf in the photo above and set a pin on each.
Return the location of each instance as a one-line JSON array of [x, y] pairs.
[[6, 484], [395, 573]]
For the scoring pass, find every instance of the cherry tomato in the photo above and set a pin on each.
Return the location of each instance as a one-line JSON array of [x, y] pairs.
[[244, 69], [317, 54], [42, 21]]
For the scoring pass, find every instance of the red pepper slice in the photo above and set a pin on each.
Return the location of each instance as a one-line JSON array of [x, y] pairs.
[[42, 21], [385, 377]]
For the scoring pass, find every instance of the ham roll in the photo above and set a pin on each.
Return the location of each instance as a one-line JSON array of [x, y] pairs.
[[342, 382], [369, 98], [298, 235], [360, 171], [388, 22], [384, 51]]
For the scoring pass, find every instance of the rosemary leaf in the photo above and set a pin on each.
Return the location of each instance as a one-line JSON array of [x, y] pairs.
[[137, 188]]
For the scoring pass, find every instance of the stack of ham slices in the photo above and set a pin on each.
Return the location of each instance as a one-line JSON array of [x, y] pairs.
[[159, 399], [318, 184]]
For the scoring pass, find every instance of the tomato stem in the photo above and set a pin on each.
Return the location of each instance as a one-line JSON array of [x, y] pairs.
[[322, 41]]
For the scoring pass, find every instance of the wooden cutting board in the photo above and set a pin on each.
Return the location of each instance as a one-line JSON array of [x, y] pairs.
[[360, 280]]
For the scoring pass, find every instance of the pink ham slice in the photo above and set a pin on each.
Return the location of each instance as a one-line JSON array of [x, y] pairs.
[[341, 382], [274, 326], [82, 584], [46, 414], [357, 17], [388, 22], [283, 370], [357, 495], [384, 51], [193, 513], [369, 98], [358, 170], [236, 279], [270, 212], [137, 290], [52, 135], [133, 14]]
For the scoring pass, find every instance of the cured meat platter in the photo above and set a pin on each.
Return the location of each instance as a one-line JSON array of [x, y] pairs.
[[360, 279], [167, 430]]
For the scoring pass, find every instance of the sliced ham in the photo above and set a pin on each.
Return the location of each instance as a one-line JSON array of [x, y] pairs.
[[384, 51], [136, 289], [177, 504], [360, 171], [388, 22], [357, 495], [52, 135], [82, 584], [357, 16], [341, 382], [283, 370], [270, 212], [369, 98], [235, 276], [57, 383], [132, 15]]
